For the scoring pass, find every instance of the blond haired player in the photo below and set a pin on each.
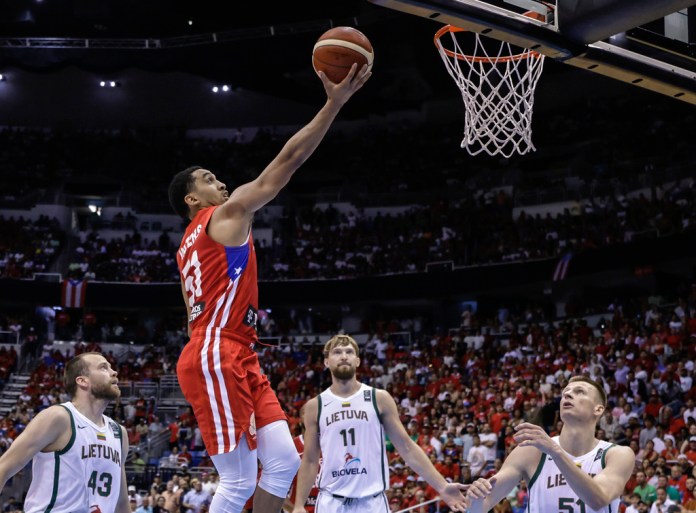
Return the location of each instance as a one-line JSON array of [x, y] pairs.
[[78, 452], [347, 423], [571, 473]]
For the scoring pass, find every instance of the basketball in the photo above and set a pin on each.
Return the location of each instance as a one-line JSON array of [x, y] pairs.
[[337, 49]]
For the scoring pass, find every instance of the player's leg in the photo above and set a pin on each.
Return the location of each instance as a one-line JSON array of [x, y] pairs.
[[237, 471], [276, 449], [280, 462], [378, 504], [214, 383]]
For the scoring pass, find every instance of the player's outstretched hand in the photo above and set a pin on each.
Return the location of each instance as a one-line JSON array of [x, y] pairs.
[[341, 92], [480, 489], [527, 435], [453, 495]]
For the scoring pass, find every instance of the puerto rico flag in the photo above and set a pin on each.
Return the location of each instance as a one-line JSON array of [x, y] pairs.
[[562, 267], [73, 293]]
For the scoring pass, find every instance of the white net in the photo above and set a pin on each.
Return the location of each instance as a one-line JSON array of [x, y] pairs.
[[498, 93]]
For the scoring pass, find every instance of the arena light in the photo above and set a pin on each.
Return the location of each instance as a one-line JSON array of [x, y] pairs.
[[215, 89], [225, 88], [2, 77], [102, 84]]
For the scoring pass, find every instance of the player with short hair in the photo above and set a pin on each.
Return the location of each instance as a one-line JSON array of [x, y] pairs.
[[239, 415], [78, 452], [347, 424], [573, 472]]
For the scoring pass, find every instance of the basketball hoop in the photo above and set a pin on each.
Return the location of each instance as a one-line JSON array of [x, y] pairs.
[[498, 92]]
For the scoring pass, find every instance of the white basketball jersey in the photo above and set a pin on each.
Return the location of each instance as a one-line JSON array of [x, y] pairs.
[[354, 456], [84, 476], [549, 491]]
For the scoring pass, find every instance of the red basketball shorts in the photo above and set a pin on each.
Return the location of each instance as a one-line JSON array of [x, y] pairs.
[[222, 380]]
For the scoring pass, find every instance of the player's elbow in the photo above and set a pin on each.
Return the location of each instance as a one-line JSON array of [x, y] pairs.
[[599, 500]]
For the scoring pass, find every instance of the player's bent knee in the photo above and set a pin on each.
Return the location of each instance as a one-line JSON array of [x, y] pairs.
[[278, 473], [234, 492]]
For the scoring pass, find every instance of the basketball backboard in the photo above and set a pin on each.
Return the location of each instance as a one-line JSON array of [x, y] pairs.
[[642, 42]]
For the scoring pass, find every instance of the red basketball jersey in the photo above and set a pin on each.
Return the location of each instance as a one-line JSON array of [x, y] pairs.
[[220, 282]]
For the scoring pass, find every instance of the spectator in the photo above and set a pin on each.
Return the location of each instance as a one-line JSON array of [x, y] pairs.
[[144, 506], [195, 498], [133, 495], [477, 457], [647, 492], [662, 503], [159, 507]]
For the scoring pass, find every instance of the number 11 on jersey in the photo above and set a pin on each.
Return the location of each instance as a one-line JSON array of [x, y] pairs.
[[345, 434]]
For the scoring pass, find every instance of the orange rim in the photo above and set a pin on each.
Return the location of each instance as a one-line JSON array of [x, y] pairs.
[[471, 58]]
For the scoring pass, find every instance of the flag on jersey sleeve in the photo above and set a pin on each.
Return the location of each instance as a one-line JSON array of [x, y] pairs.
[[73, 293]]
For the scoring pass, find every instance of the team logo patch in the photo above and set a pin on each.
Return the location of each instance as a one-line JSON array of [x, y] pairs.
[[116, 430], [101, 436], [345, 405], [251, 317], [367, 394], [599, 454], [196, 310]]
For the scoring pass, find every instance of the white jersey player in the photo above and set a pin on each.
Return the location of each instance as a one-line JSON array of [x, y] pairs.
[[356, 464], [78, 453], [347, 423], [571, 473]]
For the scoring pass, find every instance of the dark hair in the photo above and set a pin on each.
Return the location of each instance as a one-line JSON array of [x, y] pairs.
[[73, 369], [179, 187]]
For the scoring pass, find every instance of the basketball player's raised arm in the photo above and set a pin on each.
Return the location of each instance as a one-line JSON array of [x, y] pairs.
[[123, 504], [515, 467], [42, 433], [310, 458], [250, 197]]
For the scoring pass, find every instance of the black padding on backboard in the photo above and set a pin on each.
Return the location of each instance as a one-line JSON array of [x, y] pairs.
[[589, 21]]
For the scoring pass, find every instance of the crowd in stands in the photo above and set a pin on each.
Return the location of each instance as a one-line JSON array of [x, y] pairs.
[[471, 231], [476, 229], [128, 259], [459, 214], [28, 247]]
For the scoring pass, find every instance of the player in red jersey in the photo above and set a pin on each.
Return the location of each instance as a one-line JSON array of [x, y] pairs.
[[238, 413]]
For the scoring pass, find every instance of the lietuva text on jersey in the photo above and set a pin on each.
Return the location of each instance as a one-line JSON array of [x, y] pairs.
[[101, 451], [346, 415]]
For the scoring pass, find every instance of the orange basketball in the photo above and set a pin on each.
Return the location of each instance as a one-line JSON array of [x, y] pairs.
[[337, 49]]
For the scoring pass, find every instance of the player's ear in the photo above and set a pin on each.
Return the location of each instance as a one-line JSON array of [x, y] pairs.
[[81, 380], [191, 199]]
